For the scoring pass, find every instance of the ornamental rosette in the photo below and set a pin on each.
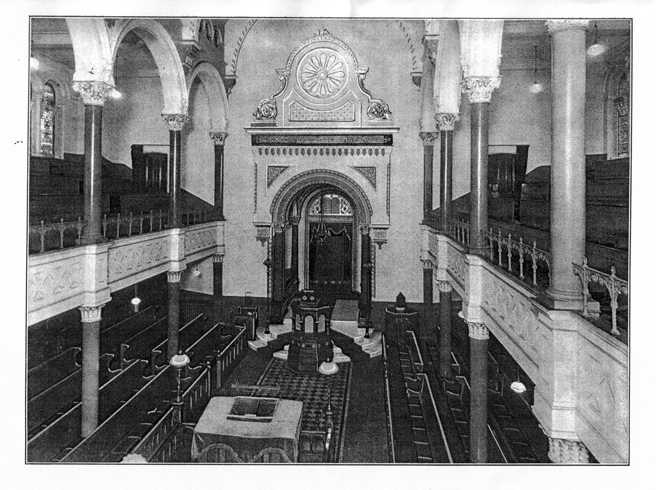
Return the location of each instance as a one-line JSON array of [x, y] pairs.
[[267, 110], [322, 75]]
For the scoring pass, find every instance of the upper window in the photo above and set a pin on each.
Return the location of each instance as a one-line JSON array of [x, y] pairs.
[[623, 120], [48, 121]]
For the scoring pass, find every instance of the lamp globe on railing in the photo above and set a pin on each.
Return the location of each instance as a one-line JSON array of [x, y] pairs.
[[179, 361], [135, 302]]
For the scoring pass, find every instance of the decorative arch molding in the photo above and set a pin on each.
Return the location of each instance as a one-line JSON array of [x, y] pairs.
[[167, 59], [319, 177], [209, 76], [91, 49], [234, 57], [416, 64]]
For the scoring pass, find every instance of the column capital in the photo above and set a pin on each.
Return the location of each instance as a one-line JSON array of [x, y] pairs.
[[93, 93], [278, 227], [444, 286], [566, 24], [364, 229], [217, 259], [91, 314], [294, 220], [426, 264], [568, 451], [173, 276], [479, 89], [446, 121], [428, 137], [218, 138], [478, 331], [175, 122]]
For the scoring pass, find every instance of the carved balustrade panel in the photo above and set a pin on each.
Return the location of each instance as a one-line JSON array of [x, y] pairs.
[[55, 278], [133, 255], [199, 238], [602, 406]]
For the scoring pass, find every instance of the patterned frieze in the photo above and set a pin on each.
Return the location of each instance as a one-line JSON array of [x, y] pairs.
[[328, 151], [310, 139]]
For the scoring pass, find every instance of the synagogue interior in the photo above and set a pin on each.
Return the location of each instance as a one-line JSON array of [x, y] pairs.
[[328, 241]]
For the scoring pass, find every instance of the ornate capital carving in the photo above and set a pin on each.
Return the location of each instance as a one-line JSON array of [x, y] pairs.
[[479, 89], [217, 259], [478, 331], [278, 227], [428, 138], [173, 276], [364, 229], [175, 122], [379, 236], [93, 93], [567, 451], [218, 138], [426, 264], [446, 121], [267, 110], [294, 220], [566, 24], [91, 313], [444, 286]]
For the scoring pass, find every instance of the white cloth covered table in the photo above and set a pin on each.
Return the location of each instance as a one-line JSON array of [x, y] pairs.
[[246, 437]]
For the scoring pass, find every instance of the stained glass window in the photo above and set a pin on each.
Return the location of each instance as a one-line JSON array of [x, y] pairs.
[[623, 119], [48, 121]]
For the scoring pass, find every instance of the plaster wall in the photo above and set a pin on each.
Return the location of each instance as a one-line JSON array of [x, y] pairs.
[[135, 118], [197, 147], [379, 45]]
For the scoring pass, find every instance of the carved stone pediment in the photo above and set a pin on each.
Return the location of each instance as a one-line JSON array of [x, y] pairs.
[[322, 85]]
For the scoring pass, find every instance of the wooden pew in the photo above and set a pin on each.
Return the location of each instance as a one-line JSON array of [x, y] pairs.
[[188, 334], [50, 372], [64, 429], [142, 343], [131, 413], [63, 394], [112, 338]]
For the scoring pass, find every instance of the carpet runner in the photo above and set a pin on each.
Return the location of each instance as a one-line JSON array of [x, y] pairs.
[[312, 390]]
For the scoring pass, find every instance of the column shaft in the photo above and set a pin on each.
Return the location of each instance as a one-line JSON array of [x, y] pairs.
[[365, 273], [92, 174], [173, 315], [218, 180], [295, 250], [428, 181], [90, 368], [446, 184], [567, 165], [278, 279], [175, 207], [445, 334], [478, 194], [429, 321], [478, 401], [217, 298]]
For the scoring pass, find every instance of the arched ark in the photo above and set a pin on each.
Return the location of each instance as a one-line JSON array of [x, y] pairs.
[[167, 59], [318, 178], [209, 76]]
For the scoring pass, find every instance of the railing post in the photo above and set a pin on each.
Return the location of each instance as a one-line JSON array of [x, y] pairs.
[[614, 292], [130, 225], [534, 257], [118, 225], [521, 258], [104, 225], [509, 253], [43, 237], [499, 248], [61, 233], [79, 227]]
